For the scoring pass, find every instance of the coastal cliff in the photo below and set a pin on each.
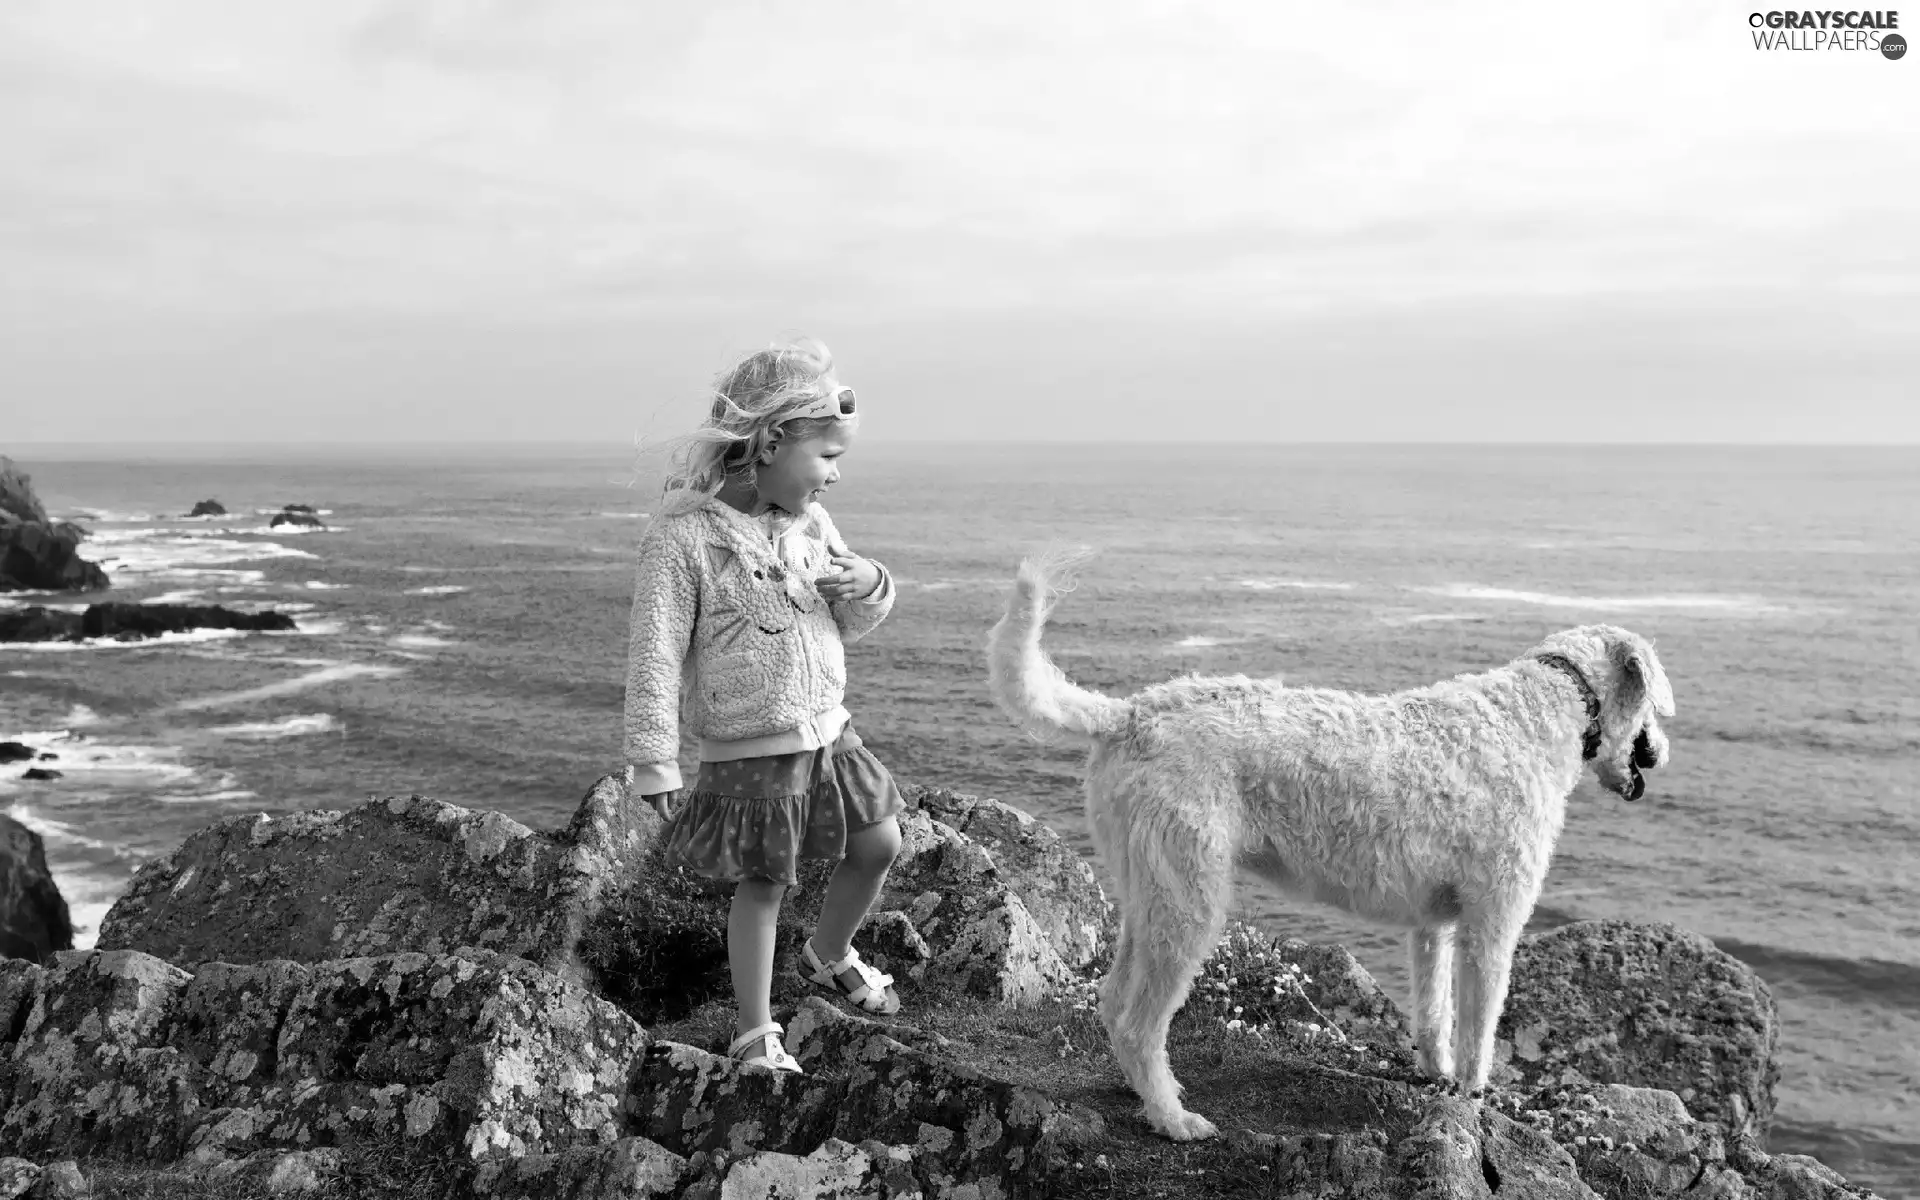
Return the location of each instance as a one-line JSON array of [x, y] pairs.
[[414, 998]]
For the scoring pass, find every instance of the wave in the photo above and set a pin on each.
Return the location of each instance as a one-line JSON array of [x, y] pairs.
[[284, 727], [167, 553], [1198, 642], [110, 516], [1312, 585], [214, 797], [421, 641], [1697, 601], [274, 512], [102, 762], [329, 674], [321, 585], [1432, 618], [169, 638], [444, 589]]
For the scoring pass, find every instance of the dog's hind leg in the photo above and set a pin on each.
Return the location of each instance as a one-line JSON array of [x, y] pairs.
[[1486, 957], [1180, 885], [1431, 950]]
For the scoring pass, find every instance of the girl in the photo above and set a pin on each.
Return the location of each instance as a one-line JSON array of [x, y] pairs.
[[745, 594]]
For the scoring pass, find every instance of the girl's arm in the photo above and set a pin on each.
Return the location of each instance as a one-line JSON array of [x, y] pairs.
[[666, 599], [856, 618]]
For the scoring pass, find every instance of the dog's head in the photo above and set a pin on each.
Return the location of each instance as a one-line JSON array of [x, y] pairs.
[[1627, 678]]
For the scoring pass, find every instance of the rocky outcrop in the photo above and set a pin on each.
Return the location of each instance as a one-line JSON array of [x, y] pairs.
[[510, 1079], [471, 1056], [33, 915], [1054, 883], [208, 508], [38, 554], [1652, 1006], [402, 873], [299, 515], [131, 622]]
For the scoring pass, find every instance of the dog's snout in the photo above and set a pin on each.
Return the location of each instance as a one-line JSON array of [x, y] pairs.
[[1644, 755], [1637, 788]]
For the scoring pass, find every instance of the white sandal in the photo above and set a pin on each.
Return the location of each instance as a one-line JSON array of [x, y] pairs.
[[773, 1054], [875, 993]]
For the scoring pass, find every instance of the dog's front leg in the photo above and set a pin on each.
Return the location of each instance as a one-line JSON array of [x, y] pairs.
[[1431, 949], [1486, 958]]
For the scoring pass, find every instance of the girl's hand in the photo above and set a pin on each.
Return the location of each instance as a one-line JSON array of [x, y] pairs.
[[855, 581], [662, 803]]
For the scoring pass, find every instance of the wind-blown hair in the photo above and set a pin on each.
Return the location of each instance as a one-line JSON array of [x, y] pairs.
[[745, 417]]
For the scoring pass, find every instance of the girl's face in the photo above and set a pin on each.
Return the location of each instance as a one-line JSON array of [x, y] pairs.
[[804, 468]]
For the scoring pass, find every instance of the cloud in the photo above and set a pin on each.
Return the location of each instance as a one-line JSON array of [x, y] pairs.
[[295, 174]]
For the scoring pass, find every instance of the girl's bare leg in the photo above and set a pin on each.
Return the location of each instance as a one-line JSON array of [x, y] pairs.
[[750, 929], [871, 849]]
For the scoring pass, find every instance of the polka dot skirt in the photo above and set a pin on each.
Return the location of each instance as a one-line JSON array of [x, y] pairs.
[[756, 818]]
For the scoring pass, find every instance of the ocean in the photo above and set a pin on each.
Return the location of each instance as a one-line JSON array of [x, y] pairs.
[[463, 621]]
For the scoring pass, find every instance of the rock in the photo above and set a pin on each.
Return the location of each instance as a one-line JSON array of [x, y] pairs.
[[403, 873], [46, 558], [129, 622], [1317, 996], [34, 922], [302, 519], [125, 621], [1638, 1143], [301, 1171], [1649, 1006], [61, 1181], [835, 1170], [983, 940], [629, 1167], [208, 508], [471, 1056], [1053, 881], [18, 503], [37, 624], [41, 774], [1800, 1177], [965, 1126], [17, 1177], [37, 553], [15, 752], [308, 509]]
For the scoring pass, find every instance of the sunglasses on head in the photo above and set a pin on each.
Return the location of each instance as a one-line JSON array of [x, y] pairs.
[[838, 404]]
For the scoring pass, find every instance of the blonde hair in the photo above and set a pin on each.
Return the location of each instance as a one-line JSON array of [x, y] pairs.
[[746, 416]]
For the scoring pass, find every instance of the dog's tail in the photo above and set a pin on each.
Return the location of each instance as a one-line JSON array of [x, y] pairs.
[[1025, 682]]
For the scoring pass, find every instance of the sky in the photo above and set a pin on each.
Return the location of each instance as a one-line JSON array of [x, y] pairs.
[[342, 220]]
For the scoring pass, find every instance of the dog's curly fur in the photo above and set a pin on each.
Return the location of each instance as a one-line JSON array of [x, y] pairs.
[[1435, 808]]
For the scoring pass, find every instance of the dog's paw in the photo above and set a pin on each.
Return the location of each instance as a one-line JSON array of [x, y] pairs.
[[1187, 1127]]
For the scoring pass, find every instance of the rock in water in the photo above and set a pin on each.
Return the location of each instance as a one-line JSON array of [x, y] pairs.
[[403, 873], [46, 558], [37, 553], [33, 914], [208, 508], [124, 621], [1647, 1006], [18, 504], [15, 751]]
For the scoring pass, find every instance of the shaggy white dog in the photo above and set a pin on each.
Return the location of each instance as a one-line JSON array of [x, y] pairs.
[[1435, 808]]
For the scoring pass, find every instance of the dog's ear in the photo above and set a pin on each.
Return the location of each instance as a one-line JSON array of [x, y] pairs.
[[1643, 677]]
